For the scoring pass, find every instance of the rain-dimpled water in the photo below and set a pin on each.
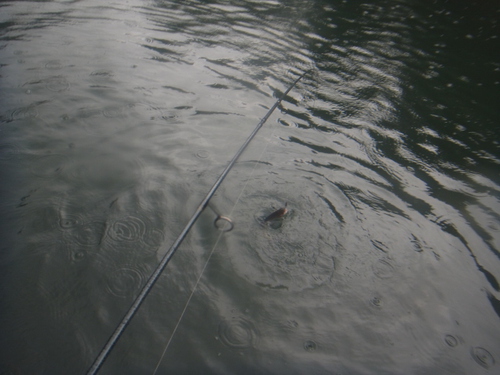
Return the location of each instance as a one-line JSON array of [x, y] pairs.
[[116, 119]]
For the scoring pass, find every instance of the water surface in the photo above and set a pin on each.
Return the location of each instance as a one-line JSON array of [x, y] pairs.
[[116, 119]]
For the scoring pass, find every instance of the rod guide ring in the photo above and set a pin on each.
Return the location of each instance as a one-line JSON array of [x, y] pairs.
[[223, 226]]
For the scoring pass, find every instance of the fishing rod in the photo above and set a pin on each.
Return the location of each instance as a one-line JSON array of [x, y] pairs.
[[166, 258]]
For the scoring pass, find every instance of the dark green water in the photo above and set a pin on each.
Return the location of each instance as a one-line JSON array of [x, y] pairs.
[[117, 117]]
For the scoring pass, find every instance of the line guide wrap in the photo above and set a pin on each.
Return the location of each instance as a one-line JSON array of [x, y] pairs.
[[168, 255]]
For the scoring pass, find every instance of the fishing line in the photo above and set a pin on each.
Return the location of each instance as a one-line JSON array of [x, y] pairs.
[[223, 230], [168, 255], [187, 303]]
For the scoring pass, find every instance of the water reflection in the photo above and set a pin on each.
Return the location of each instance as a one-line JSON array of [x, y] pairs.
[[117, 118]]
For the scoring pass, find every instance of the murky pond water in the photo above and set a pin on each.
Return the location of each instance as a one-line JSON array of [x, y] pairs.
[[117, 117]]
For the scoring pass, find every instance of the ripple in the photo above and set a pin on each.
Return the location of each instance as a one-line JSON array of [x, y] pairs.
[[133, 233], [383, 269], [73, 214], [482, 357], [102, 73], [77, 255], [310, 346], [418, 245], [57, 84], [53, 65], [115, 112], [69, 221], [87, 113], [202, 154], [81, 242], [237, 333], [89, 234], [154, 237], [124, 282], [295, 266], [130, 228], [376, 301], [281, 255], [24, 113], [451, 340]]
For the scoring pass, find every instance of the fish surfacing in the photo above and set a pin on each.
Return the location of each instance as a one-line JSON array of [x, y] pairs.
[[277, 214]]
